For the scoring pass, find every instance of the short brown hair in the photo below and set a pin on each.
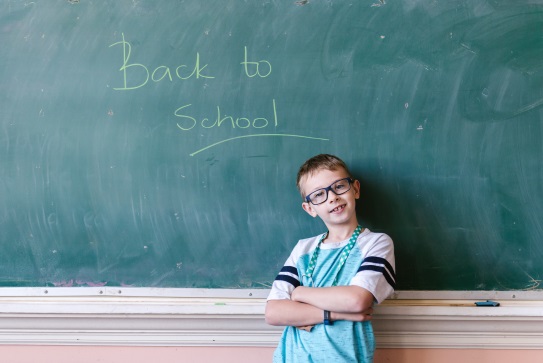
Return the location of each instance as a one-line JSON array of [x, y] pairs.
[[319, 162]]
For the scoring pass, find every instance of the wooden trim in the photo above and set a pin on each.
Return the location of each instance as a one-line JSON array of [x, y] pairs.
[[459, 324], [212, 321]]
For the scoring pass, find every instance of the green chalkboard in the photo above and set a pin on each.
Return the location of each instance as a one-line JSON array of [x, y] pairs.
[[156, 143]]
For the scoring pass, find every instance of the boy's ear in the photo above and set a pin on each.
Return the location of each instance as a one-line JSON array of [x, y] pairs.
[[308, 207], [356, 187]]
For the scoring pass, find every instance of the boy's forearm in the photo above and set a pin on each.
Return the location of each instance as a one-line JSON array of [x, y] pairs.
[[292, 313], [342, 299]]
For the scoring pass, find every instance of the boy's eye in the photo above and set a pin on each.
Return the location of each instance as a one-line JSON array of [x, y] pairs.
[[339, 186], [318, 194]]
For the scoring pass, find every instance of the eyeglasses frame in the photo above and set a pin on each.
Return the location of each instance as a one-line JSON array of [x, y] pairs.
[[328, 189]]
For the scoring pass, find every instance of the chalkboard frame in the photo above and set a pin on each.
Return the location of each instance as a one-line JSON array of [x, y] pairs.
[[94, 188], [128, 292]]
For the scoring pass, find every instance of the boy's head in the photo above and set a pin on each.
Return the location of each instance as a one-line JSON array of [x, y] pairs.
[[316, 163], [328, 190]]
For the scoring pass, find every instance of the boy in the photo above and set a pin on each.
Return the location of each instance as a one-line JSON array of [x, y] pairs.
[[325, 291]]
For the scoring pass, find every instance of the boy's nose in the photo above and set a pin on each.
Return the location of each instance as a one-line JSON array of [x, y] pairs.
[[332, 197]]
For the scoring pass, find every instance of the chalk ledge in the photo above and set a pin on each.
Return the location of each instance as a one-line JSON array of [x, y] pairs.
[[239, 321]]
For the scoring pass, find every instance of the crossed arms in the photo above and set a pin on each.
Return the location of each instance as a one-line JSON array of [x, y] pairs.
[[306, 305]]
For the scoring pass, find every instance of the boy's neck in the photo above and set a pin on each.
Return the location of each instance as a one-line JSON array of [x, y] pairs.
[[340, 233]]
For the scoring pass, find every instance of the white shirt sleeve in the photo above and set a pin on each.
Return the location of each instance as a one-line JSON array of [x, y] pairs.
[[377, 271], [286, 281]]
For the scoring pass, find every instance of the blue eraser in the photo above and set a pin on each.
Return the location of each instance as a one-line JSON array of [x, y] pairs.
[[487, 303]]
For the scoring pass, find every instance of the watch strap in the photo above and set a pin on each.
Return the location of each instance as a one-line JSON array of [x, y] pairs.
[[327, 320]]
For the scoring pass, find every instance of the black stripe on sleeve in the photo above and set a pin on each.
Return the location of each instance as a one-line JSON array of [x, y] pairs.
[[381, 261], [290, 269], [380, 269], [287, 278]]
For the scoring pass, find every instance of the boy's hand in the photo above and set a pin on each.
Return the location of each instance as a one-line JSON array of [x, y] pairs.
[[363, 316]]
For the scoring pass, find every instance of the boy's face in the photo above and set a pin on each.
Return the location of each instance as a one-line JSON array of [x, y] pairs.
[[337, 209]]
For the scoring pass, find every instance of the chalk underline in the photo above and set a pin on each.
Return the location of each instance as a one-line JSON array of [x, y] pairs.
[[257, 135]]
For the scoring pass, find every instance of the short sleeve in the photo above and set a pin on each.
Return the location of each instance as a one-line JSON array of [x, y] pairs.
[[377, 271], [286, 281]]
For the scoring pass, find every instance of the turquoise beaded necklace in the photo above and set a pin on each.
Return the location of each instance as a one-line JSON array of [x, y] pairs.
[[344, 254]]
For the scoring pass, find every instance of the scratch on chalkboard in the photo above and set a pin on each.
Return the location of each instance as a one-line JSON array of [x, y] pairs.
[[533, 282], [532, 285], [266, 285], [302, 2], [467, 46], [73, 1], [380, 3], [162, 277]]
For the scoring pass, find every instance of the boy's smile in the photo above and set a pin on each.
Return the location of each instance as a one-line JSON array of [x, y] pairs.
[[338, 211]]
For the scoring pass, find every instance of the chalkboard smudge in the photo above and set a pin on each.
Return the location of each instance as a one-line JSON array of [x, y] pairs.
[[73, 283]]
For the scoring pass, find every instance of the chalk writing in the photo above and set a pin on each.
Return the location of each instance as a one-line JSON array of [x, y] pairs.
[[256, 66], [257, 135], [159, 73], [189, 122], [137, 75]]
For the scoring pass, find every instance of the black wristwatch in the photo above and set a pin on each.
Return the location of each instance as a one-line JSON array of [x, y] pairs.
[[327, 320]]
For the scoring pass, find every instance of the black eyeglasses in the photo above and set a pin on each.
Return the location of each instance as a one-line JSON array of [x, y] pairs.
[[339, 187]]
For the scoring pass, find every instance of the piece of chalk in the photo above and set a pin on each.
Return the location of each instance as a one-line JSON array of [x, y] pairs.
[[487, 303]]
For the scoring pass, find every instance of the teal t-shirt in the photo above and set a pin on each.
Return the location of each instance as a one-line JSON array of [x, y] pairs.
[[370, 265]]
